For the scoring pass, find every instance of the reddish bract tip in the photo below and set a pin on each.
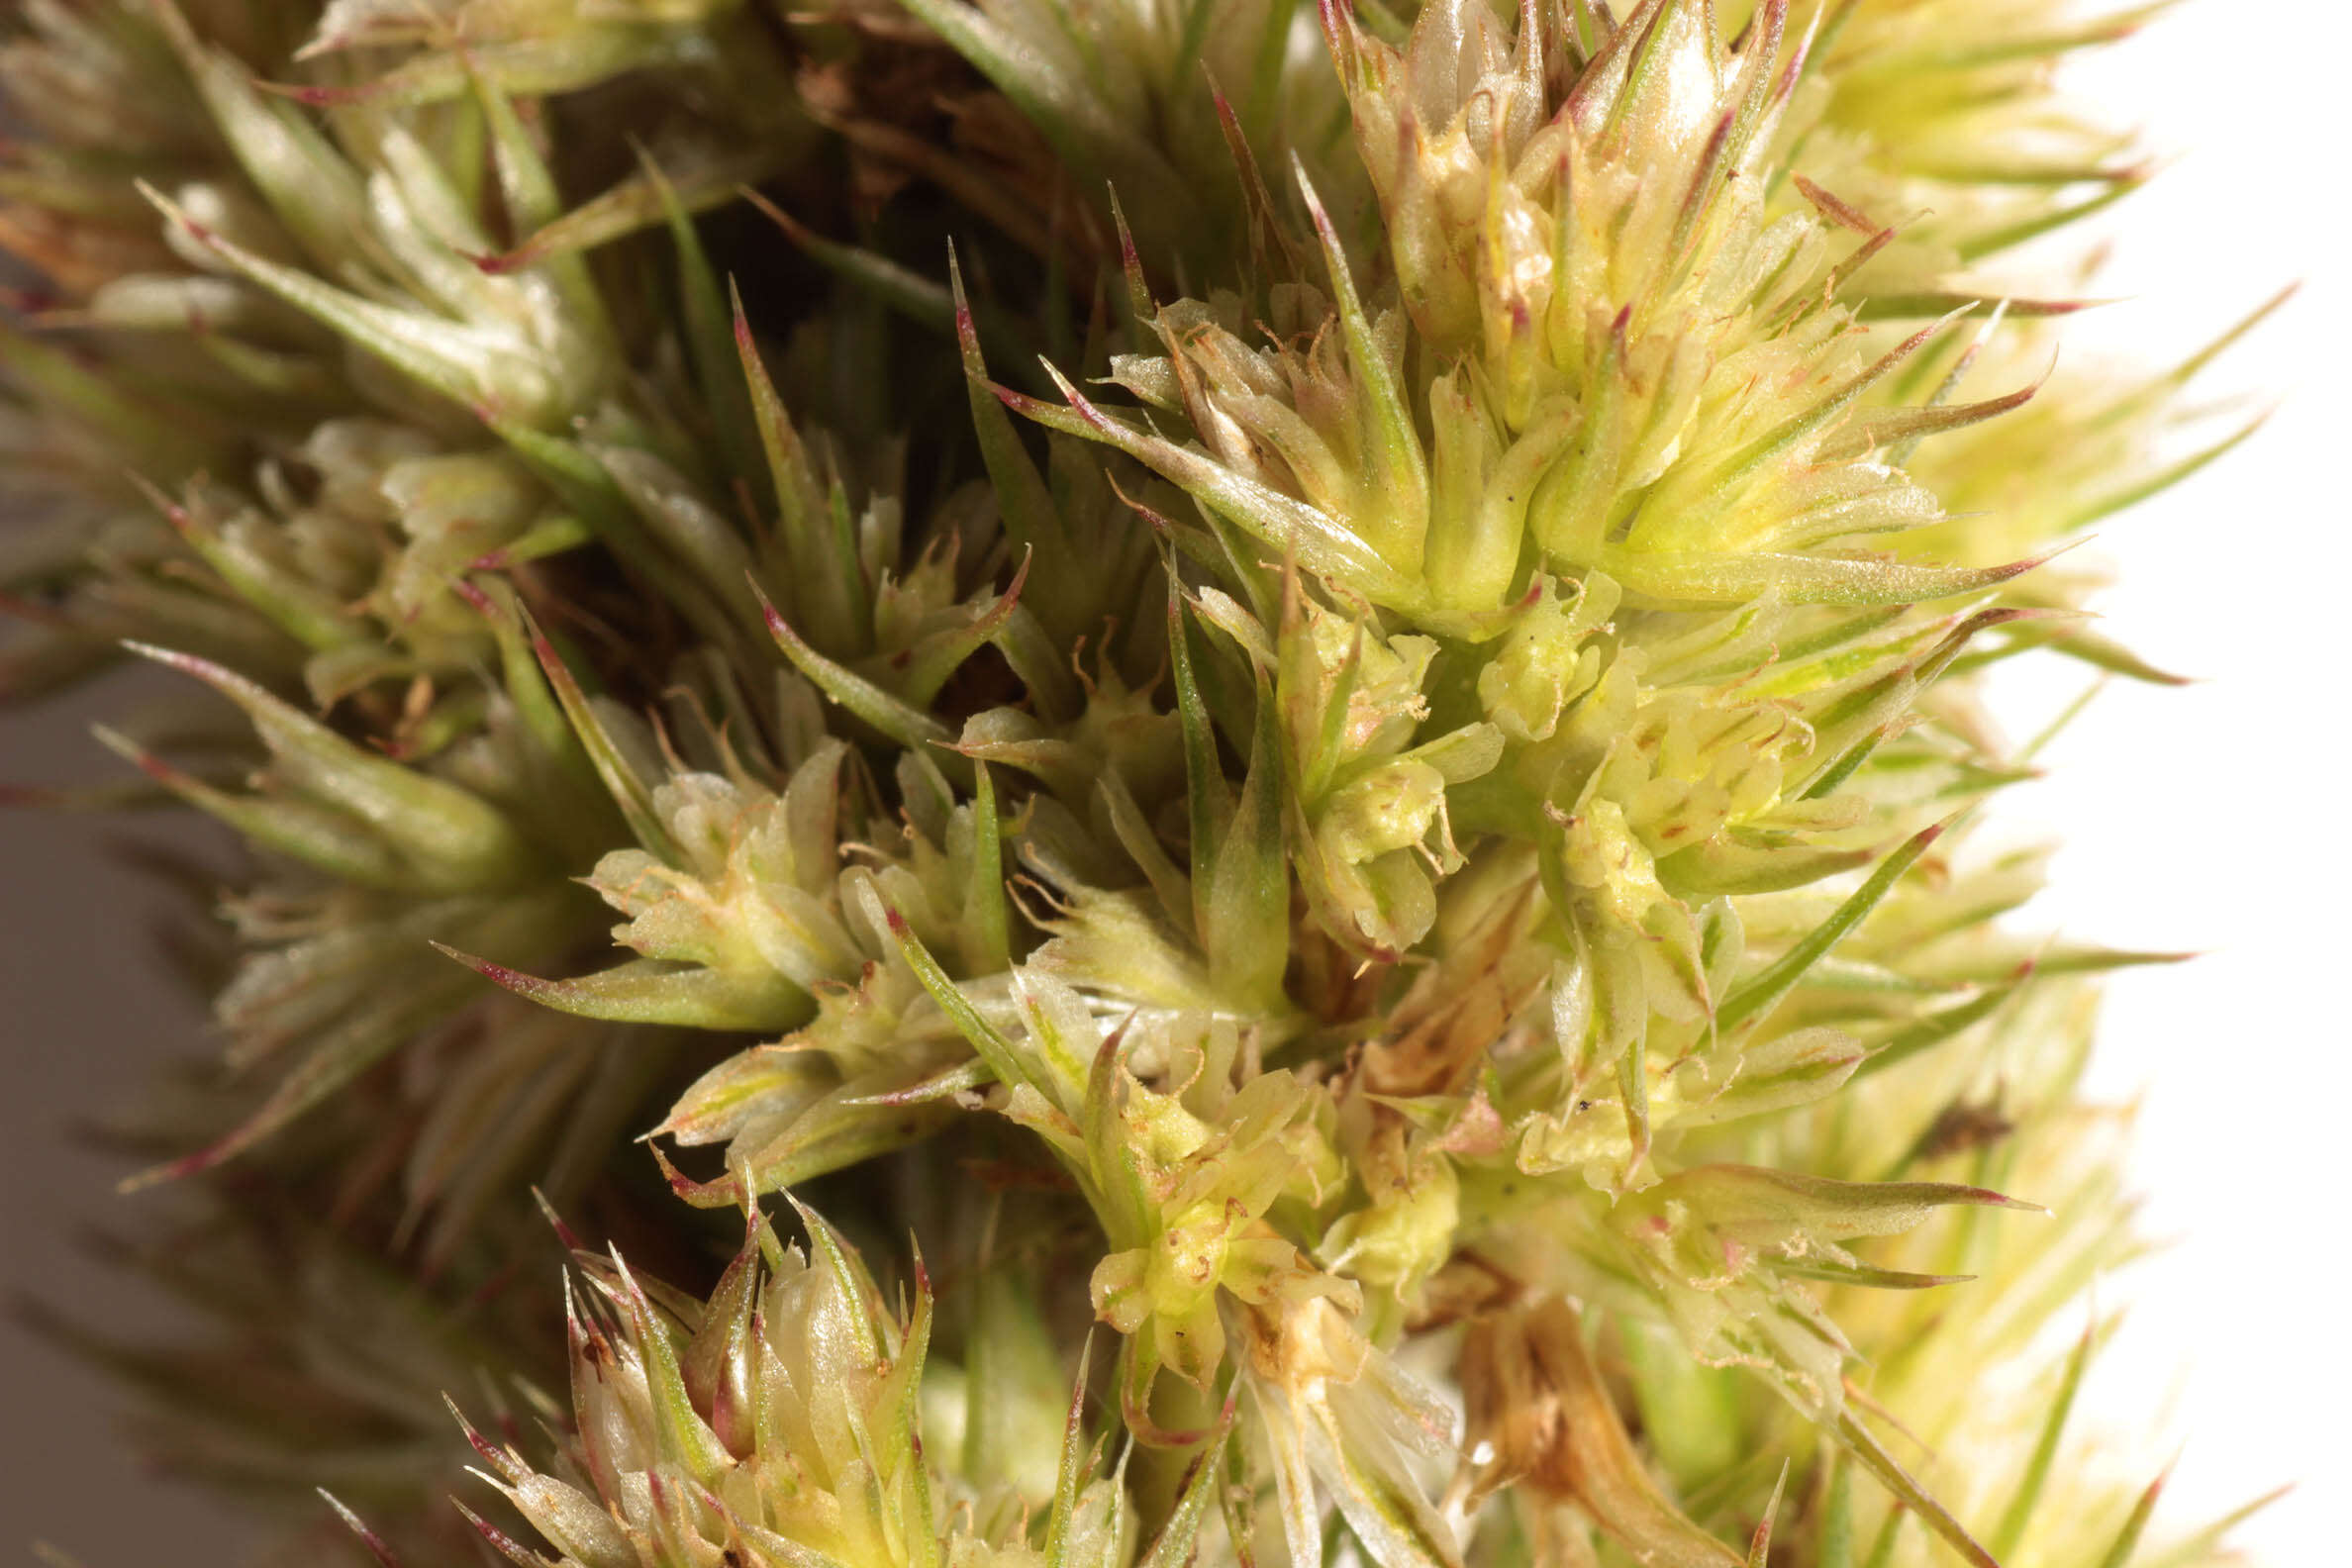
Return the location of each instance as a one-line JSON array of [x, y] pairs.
[[474, 1440], [376, 1545], [724, 1191], [155, 767], [500, 1542], [564, 1232], [181, 1169], [314, 95], [1990, 1199], [496, 973]]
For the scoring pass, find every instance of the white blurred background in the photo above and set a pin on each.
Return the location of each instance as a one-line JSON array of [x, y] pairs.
[[2202, 818], [2208, 818]]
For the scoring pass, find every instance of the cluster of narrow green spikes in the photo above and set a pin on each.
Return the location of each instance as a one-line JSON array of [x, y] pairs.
[[1285, 703]]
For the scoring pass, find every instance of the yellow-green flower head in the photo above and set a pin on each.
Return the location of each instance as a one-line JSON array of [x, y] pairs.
[[1183, 1210], [751, 909], [796, 1417], [750, 903], [1373, 837], [777, 1422], [355, 544], [1622, 354], [1412, 859]]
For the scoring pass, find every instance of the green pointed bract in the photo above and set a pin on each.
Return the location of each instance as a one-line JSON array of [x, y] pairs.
[[445, 839]]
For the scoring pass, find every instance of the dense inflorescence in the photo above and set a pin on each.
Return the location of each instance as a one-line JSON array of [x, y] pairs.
[[1285, 703]]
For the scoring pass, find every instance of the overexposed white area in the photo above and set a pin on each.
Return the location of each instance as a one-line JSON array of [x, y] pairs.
[[2211, 816]]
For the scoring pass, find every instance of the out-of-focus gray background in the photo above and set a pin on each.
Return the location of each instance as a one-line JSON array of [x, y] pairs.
[[86, 1011]]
